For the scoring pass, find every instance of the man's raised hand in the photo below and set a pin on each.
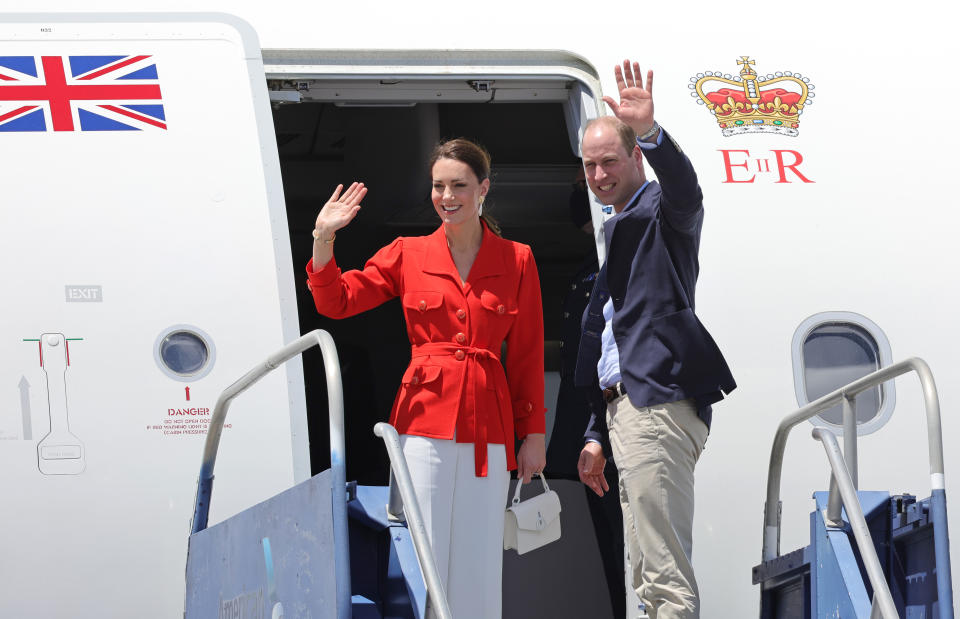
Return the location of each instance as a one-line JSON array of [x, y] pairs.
[[636, 100]]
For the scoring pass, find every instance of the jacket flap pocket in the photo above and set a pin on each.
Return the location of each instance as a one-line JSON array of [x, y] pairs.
[[495, 304], [693, 359], [422, 301], [682, 334], [421, 374]]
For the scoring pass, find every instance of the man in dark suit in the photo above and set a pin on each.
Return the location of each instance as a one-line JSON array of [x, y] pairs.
[[656, 366]]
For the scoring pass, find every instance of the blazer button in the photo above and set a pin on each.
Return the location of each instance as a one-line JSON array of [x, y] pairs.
[[501, 309], [415, 380], [461, 338], [529, 406], [460, 355], [422, 306], [461, 314]]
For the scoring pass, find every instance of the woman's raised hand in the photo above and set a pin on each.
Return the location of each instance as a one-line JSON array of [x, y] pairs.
[[339, 209]]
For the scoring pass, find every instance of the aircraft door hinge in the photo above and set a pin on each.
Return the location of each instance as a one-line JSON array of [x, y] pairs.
[[481, 85]]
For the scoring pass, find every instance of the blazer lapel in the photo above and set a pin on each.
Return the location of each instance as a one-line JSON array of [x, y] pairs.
[[489, 261], [437, 259], [609, 226]]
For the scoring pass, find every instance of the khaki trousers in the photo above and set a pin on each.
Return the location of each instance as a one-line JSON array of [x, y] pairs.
[[656, 449]]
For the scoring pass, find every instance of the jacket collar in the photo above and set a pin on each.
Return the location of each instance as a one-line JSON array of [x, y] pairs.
[[610, 225], [636, 197], [488, 263]]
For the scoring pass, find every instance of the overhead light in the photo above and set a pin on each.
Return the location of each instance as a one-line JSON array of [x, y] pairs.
[[284, 96], [355, 104]]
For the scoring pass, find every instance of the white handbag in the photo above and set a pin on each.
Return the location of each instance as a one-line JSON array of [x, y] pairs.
[[533, 523]]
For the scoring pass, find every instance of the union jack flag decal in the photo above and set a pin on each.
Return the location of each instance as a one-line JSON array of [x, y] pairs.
[[80, 93]]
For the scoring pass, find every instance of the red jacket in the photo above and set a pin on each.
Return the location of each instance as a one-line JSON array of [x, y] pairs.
[[455, 384]]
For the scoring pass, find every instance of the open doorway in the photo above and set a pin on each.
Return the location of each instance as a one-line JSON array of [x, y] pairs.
[[381, 132]]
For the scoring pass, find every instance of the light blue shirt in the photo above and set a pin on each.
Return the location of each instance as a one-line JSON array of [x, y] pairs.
[[608, 368]]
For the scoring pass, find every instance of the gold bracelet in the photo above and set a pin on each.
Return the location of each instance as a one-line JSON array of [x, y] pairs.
[[316, 237]]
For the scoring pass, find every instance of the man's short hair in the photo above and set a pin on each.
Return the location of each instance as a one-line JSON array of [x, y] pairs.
[[628, 137]]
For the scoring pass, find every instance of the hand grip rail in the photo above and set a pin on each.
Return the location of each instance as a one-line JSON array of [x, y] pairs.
[[938, 501], [331, 366], [411, 509], [842, 482]]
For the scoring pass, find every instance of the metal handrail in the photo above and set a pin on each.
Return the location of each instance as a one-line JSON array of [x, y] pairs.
[[842, 484], [331, 366], [411, 509], [938, 500]]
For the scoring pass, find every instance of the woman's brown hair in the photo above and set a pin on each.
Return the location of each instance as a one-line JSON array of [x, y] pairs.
[[476, 157]]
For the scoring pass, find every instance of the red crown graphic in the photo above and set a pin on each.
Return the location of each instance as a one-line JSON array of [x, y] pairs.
[[750, 103]]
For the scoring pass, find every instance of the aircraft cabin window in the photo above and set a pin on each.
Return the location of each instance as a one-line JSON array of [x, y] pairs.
[[184, 353], [832, 349]]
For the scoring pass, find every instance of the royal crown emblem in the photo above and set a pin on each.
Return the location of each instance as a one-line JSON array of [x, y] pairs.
[[751, 103]]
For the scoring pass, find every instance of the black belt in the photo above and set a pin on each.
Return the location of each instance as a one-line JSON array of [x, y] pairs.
[[612, 393]]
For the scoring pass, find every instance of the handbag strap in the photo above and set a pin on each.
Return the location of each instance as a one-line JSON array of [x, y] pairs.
[[516, 492]]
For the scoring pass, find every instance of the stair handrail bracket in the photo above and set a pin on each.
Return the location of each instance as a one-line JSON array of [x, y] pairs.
[[331, 365], [938, 505]]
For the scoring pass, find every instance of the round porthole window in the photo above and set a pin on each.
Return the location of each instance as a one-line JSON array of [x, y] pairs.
[[184, 353], [833, 349]]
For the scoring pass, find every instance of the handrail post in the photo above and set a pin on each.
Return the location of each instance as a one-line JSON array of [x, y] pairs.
[[834, 504], [411, 509], [338, 467], [938, 497], [858, 524], [850, 437]]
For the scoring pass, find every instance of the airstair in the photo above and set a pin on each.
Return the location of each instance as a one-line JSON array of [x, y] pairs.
[[322, 549], [871, 554], [328, 549]]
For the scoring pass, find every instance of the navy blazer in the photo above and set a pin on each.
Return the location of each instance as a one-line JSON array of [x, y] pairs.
[[651, 271]]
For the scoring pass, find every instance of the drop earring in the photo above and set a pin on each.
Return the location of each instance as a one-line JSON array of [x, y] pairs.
[[480, 207]]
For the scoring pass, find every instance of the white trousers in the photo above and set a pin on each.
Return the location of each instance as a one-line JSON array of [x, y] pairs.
[[463, 516]]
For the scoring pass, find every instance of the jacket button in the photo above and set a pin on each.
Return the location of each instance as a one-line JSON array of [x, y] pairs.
[[461, 314], [461, 338], [460, 355], [529, 406], [501, 309], [415, 380], [423, 305]]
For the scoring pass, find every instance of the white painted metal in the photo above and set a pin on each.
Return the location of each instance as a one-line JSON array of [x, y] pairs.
[[172, 226]]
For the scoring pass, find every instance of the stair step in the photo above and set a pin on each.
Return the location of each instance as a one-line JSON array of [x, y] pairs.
[[364, 608]]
